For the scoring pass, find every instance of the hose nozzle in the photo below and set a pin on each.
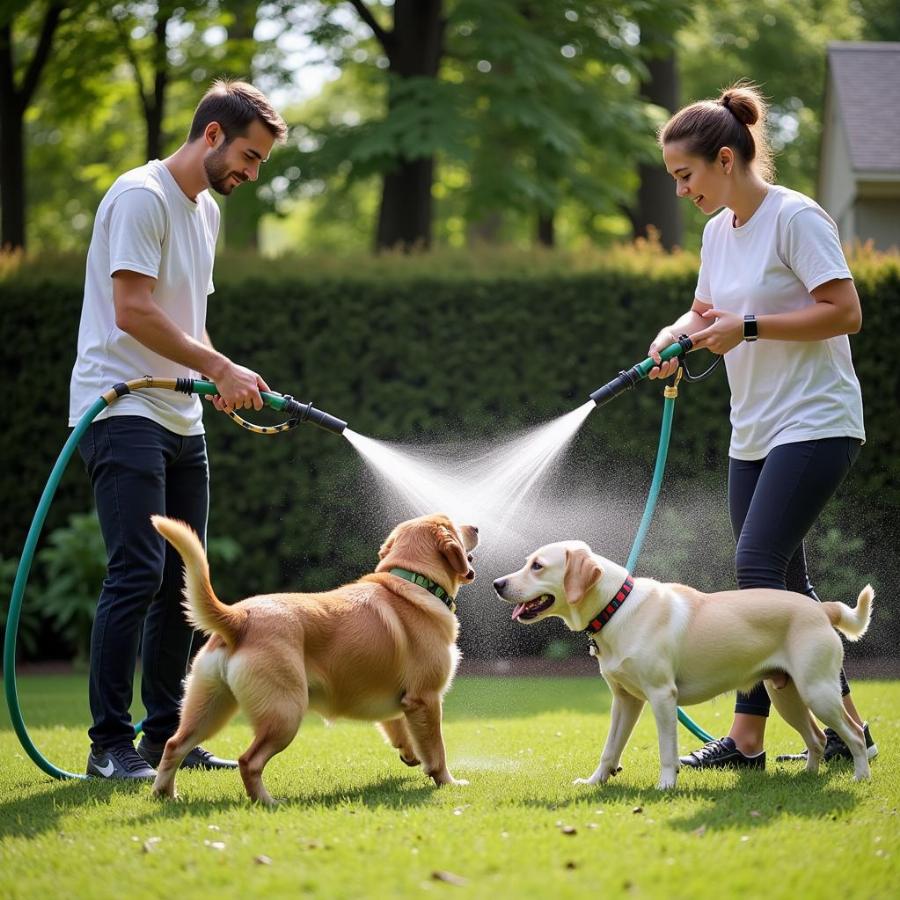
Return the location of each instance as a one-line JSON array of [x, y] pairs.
[[626, 380], [306, 412]]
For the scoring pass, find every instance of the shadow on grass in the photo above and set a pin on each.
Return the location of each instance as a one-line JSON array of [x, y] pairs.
[[39, 812], [393, 792], [755, 800]]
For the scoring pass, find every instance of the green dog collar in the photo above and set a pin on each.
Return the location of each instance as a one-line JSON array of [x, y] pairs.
[[429, 586]]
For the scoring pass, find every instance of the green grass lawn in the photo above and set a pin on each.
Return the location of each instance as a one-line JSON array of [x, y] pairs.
[[355, 822]]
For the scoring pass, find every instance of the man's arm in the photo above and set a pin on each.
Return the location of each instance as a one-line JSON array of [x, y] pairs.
[[138, 315]]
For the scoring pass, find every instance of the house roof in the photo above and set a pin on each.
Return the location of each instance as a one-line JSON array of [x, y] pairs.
[[866, 79]]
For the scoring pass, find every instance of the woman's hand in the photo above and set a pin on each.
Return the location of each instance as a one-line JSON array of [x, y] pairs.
[[662, 369], [724, 334]]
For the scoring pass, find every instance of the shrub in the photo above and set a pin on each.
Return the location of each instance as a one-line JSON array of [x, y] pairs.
[[425, 348]]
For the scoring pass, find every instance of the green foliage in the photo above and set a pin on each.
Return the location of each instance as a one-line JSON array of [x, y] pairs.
[[436, 347], [69, 571], [554, 123], [71, 568], [30, 617]]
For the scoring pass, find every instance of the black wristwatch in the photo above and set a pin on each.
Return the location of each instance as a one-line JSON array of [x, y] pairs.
[[751, 328]]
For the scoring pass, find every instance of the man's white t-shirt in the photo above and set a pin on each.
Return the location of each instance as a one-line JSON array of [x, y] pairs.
[[145, 224], [781, 391]]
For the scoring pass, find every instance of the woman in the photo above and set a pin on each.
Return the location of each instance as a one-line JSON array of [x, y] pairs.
[[776, 298]]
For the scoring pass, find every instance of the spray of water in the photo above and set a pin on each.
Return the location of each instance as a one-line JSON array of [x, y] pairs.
[[513, 492], [527, 491], [469, 482]]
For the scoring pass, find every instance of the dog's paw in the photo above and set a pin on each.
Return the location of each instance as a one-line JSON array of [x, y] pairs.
[[666, 783], [591, 780], [601, 776], [450, 781]]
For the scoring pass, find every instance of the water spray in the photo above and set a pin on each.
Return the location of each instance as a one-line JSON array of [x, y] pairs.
[[298, 412]]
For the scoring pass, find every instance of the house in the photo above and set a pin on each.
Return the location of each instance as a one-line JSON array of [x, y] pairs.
[[859, 163]]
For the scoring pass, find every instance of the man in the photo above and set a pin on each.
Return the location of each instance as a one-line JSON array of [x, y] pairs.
[[149, 271]]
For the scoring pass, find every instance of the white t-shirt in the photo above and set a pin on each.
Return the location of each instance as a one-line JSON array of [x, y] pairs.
[[781, 391], [145, 224]]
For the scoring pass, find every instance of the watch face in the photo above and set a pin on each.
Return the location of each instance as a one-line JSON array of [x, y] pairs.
[[750, 328]]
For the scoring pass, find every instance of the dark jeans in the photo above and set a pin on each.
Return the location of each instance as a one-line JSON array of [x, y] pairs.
[[773, 503], [138, 468]]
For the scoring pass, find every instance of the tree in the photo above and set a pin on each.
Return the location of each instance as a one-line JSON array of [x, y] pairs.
[[152, 95], [656, 209], [414, 48], [529, 101], [16, 94]]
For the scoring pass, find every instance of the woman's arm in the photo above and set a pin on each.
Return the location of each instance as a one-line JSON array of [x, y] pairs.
[[836, 311]]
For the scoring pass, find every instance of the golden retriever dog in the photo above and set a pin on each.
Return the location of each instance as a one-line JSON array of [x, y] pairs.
[[381, 649], [668, 644]]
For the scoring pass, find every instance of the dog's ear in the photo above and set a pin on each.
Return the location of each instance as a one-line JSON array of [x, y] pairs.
[[387, 546], [582, 573], [452, 550]]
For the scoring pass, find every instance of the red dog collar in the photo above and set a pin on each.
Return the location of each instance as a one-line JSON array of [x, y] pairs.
[[609, 610]]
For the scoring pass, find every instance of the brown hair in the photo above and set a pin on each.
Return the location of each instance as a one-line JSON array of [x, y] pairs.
[[235, 105], [737, 119]]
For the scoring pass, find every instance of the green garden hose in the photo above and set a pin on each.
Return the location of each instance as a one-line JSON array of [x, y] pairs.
[[299, 412], [671, 394]]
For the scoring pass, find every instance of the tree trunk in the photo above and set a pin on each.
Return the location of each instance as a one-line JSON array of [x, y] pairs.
[[12, 175], [414, 49], [243, 210], [657, 206], [156, 103], [546, 230], [14, 102]]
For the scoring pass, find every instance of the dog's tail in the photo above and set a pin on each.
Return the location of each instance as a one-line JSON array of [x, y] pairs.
[[852, 622], [203, 608]]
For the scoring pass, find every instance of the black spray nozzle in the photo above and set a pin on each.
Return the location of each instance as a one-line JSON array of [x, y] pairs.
[[622, 382], [626, 380], [306, 412]]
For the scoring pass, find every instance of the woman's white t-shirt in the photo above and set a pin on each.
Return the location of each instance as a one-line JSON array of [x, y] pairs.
[[145, 224], [781, 391]]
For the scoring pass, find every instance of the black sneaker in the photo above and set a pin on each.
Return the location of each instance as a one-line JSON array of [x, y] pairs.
[[722, 754], [121, 761], [198, 758], [835, 748]]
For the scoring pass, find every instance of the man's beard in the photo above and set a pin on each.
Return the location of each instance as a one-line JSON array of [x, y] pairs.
[[217, 172]]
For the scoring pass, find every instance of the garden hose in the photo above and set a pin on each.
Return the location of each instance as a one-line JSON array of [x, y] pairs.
[[613, 389], [299, 412]]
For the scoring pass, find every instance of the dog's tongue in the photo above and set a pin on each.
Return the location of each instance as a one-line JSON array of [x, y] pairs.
[[519, 610]]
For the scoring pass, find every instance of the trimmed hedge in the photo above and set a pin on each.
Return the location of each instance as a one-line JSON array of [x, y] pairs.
[[405, 356]]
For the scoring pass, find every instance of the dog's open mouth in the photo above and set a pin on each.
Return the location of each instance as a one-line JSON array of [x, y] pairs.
[[532, 608]]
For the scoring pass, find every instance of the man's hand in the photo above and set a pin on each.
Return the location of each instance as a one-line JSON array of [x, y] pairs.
[[239, 388], [724, 334]]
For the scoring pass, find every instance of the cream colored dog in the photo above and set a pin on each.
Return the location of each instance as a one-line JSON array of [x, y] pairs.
[[668, 644], [381, 649]]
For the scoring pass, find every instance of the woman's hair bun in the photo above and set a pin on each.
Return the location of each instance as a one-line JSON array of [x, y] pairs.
[[743, 103]]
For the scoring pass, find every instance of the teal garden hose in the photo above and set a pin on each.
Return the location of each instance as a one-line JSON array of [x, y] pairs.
[[621, 383]]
